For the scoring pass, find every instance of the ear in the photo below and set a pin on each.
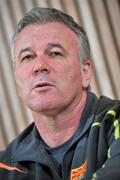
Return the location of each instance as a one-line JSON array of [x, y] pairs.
[[86, 73]]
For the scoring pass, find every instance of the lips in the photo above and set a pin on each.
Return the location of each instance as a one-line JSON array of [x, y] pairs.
[[41, 85]]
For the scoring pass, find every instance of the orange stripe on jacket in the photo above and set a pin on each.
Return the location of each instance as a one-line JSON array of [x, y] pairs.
[[10, 168]]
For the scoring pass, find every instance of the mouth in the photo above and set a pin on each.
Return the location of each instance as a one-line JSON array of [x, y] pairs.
[[41, 85]]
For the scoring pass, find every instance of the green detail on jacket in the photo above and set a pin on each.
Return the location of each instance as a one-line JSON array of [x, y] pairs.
[[99, 124], [117, 129], [111, 112], [109, 153], [94, 176], [115, 124]]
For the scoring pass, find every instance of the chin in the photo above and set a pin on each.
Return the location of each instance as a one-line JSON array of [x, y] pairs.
[[41, 107]]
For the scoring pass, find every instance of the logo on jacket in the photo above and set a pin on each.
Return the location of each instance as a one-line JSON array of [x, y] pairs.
[[78, 173]]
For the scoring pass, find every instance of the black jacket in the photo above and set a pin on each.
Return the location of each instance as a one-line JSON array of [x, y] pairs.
[[93, 153]]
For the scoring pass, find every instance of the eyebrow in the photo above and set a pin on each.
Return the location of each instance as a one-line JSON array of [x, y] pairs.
[[57, 45], [24, 50], [50, 45]]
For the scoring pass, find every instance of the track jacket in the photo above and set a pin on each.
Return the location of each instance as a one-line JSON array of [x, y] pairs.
[[93, 152]]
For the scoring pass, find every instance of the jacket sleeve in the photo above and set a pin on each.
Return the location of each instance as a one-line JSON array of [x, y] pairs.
[[111, 167]]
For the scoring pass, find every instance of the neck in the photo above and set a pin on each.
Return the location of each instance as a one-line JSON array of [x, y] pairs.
[[55, 130]]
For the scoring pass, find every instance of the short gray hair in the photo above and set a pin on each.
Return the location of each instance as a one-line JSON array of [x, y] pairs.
[[40, 15]]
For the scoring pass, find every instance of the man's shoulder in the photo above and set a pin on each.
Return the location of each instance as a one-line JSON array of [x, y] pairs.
[[108, 100], [107, 112], [105, 104], [98, 105], [1, 154], [11, 148]]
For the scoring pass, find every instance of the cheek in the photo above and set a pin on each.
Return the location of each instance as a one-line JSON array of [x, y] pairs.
[[71, 79], [22, 78], [73, 73]]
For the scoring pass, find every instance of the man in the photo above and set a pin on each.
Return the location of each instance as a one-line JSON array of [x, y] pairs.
[[75, 135]]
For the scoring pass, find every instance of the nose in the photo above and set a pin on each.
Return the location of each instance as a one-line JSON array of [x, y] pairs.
[[41, 66]]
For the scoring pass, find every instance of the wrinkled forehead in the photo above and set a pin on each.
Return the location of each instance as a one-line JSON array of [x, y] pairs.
[[37, 34], [49, 28]]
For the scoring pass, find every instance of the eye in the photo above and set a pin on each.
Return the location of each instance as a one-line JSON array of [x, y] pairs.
[[55, 53], [28, 57]]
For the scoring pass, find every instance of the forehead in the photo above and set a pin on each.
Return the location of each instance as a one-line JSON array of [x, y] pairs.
[[45, 33]]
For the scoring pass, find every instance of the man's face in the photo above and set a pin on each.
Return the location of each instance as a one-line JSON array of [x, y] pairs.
[[48, 73]]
